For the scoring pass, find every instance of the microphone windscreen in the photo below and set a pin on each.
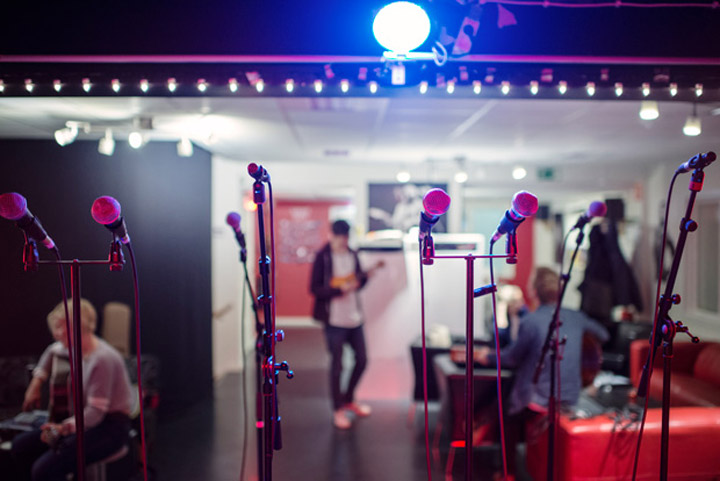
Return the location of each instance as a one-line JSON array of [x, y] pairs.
[[12, 206], [525, 203], [253, 168], [436, 202], [597, 209], [105, 210], [233, 220]]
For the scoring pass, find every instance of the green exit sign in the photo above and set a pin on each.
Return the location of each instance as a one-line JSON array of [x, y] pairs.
[[546, 173]]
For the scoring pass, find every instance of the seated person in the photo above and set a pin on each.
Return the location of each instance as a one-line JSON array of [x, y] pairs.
[[527, 398], [49, 453]]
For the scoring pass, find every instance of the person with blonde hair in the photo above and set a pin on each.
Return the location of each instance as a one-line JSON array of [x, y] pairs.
[[49, 454]]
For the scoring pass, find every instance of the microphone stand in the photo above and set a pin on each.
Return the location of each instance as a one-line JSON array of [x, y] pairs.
[[471, 293], [553, 343], [76, 354], [271, 369], [258, 363], [668, 327]]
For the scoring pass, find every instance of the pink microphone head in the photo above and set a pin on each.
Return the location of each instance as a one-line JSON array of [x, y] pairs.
[[525, 203], [597, 209], [12, 206], [233, 220], [105, 210], [436, 202], [253, 168]]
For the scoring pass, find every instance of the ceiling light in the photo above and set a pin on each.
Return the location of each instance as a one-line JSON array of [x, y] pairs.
[[403, 176], [618, 89], [450, 86], [673, 89], [477, 87], [562, 87], [202, 85], [66, 135], [57, 85], [106, 146], [590, 88], [345, 86], [649, 110], [289, 85], [519, 173], [698, 90], [115, 85], [461, 176], [693, 126], [401, 27], [233, 85], [645, 89], [318, 86], [534, 87], [144, 85], [86, 85], [373, 87], [2, 86], [260, 86], [135, 139], [185, 147], [29, 85], [505, 87], [172, 84], [423, 87]]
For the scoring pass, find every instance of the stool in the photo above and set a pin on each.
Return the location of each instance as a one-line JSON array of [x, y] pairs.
[[97, 471]]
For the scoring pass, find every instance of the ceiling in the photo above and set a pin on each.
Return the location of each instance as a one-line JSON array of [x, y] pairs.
[[599, 143]]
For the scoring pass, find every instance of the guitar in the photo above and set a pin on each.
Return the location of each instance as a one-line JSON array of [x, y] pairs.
[[338, 282]]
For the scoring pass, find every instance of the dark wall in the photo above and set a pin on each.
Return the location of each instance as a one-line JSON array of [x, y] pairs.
[[166, 203]]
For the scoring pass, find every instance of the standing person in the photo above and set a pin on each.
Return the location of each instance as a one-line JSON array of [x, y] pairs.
[[526, 398], [336, 279], [49, 453]]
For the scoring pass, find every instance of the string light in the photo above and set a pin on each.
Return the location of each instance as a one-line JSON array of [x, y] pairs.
[[57, 85], [618, 89], [289, 85], [673, 89], [590, 88], [233, 85], [172, 84], [144, 85], [505, 87], [534, 87], [698, 90], [450, 87], [645, 89], [202, 85], [423, 87], [29, 85], [477, 87], [373, 87], [115, 85], [318, 86], [260, 86], [86, 85], [562, 87], [344, 86]]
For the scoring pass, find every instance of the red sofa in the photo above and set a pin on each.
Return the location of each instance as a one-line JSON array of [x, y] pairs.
[[603, 448], [695, 379]]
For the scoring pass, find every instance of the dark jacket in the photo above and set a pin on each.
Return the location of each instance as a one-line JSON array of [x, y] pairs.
[[320, 282]]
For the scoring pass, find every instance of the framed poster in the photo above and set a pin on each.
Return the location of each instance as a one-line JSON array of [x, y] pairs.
[[398, 206]]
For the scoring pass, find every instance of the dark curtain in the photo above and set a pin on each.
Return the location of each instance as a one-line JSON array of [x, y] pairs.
[[166, 203]]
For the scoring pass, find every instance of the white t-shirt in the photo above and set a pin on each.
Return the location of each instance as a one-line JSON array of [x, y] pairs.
[[345, 309]]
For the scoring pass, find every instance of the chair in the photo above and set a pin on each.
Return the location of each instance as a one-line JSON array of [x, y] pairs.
[[116, 326]]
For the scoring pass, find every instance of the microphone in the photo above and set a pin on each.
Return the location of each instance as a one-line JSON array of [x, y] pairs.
[[435, 203], [106, 211], [524, 204], [258, 172], [596, 209], [699, 161], [233, 220], [13, 206]]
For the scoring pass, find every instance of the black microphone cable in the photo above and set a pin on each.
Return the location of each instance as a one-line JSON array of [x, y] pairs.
[[651, 354], [424, 364]]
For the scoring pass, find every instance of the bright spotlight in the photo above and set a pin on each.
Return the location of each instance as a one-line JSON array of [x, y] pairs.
[[106, 146], [649, 110], [693, 126], [66, 136], [519, 173], [135, 139], [185, 147], [401, 27], [403, 176]]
